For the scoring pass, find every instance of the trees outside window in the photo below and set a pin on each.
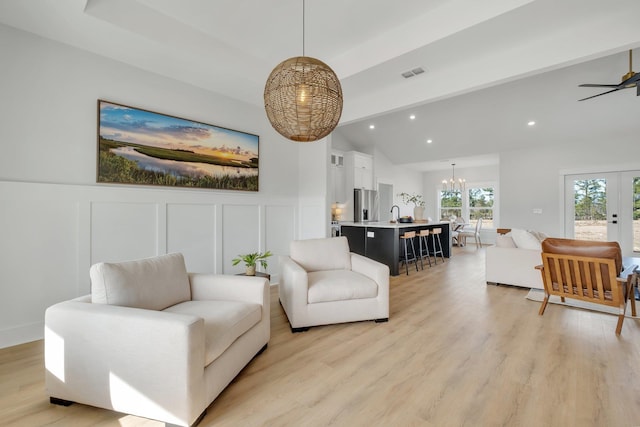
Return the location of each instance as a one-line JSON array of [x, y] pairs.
[[474, 203], [450, 204], [481, 206], [590, 199]]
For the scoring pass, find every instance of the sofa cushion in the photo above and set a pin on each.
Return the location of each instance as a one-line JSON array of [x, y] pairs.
[[505, 241], [525, 240], [338, 285], [224, 322], [321, 254], [151, 283]]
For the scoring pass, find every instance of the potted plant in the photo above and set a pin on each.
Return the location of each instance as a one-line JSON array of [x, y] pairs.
[[418, 202], [251, 259]]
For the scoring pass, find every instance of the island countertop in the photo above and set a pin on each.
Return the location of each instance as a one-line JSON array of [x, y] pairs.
[[387, 224]]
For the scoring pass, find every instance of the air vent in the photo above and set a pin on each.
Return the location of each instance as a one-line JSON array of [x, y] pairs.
[[413, 72]]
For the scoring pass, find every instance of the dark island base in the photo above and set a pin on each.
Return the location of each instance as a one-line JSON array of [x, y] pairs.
[[383, 243]]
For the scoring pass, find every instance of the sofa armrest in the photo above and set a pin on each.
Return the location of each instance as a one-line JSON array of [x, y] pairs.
[[513, 266], [227, 287], [374, 270], [294, 284], [128, 359]]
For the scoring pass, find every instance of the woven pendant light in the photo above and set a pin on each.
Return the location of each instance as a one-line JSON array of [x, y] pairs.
[[303, 98]]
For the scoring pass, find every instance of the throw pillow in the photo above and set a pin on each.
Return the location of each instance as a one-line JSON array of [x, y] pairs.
[[538, 235], [525, 240], [505, 241], [152, 283]]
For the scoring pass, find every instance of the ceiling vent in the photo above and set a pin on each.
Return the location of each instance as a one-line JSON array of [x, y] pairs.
[[413, 72]]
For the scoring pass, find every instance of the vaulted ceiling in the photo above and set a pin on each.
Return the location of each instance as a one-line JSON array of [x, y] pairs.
[[490, 66]]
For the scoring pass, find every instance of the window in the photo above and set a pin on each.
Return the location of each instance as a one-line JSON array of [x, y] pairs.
[[476, 202], [481, 206], [450, 204]]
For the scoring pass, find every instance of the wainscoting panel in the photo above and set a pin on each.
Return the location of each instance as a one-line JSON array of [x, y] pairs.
[[123, 231], [51, 234], [240, 235], [280, 231], [191, 230], [38, 255]]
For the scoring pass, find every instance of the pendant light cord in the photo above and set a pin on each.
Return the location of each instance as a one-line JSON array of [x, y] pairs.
[[303, 2]]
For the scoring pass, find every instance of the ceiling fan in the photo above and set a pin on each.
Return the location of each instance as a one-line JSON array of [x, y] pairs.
[[629, 80]]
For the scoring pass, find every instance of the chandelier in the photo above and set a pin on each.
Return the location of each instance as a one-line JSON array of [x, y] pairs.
[[453, 184], [303, 97]]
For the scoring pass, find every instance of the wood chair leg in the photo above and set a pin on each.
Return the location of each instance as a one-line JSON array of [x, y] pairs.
[[544, 305], [631, 295], [619, 326]]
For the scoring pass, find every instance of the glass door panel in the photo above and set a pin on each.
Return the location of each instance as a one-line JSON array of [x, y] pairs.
[[590, 208], [604, 207], [636, 214], [591, 205]]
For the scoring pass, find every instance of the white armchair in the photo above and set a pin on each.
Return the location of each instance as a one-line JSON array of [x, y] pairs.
[[323, 283], [153, 340]]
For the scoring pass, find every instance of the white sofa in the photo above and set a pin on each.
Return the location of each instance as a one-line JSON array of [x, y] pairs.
[[153, 340], [322, 283], [513, 259]]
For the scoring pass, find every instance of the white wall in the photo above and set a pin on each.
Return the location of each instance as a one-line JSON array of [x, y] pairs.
[[403, 180], [55, 221], [313, 194], [532, 179]]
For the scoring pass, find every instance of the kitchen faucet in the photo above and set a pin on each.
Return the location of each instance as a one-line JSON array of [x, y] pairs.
[[397, 207]]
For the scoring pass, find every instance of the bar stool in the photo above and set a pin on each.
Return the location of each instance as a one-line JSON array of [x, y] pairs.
[[423, 243], [407, 239], [435, 235]]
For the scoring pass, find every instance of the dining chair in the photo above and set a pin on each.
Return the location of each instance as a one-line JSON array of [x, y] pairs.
[[475, 233]]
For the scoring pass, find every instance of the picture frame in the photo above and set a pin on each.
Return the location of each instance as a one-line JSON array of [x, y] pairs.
[[142, 147]]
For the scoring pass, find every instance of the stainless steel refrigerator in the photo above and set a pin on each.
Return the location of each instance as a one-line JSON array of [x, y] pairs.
[[365, 205]]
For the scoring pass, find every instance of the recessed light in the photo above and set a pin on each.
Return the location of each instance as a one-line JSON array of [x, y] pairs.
[[531, 123], [429, 141], [412, 117], [372, 127]]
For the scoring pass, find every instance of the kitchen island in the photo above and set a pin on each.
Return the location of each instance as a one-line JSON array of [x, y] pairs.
[[381, 240]]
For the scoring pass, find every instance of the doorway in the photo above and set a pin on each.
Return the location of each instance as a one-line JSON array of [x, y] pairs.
[[604, 207], [385, 194]]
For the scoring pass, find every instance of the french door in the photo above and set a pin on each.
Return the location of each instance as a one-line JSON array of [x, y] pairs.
[[604, 207]]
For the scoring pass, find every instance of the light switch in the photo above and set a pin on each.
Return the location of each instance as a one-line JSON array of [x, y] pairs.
[[537, 211]]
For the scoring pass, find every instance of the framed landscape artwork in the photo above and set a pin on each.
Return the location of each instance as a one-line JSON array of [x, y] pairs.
[[141, 147]]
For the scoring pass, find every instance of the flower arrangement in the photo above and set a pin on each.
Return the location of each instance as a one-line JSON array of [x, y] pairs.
[[416, 199]]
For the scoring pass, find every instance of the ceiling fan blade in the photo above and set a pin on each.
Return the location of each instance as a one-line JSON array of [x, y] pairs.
[[600, 94], [596, 85], [631, 80]]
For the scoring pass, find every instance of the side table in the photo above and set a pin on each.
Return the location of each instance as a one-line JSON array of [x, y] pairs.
[[258, 274]]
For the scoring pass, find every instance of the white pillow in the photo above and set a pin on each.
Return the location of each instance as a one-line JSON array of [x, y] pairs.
[[525, 240], [321, 254], [505, 241], [539, 235], [151, 283]]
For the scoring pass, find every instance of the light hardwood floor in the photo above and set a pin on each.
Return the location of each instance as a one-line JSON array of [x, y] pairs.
[[455, 352]]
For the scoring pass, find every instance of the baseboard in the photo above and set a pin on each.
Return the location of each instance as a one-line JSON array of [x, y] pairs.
[[21, 334]]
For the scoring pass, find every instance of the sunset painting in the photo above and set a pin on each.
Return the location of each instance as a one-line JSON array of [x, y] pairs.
[[142, 147]]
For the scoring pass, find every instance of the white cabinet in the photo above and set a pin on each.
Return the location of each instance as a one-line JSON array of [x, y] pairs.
[[359, 167]]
